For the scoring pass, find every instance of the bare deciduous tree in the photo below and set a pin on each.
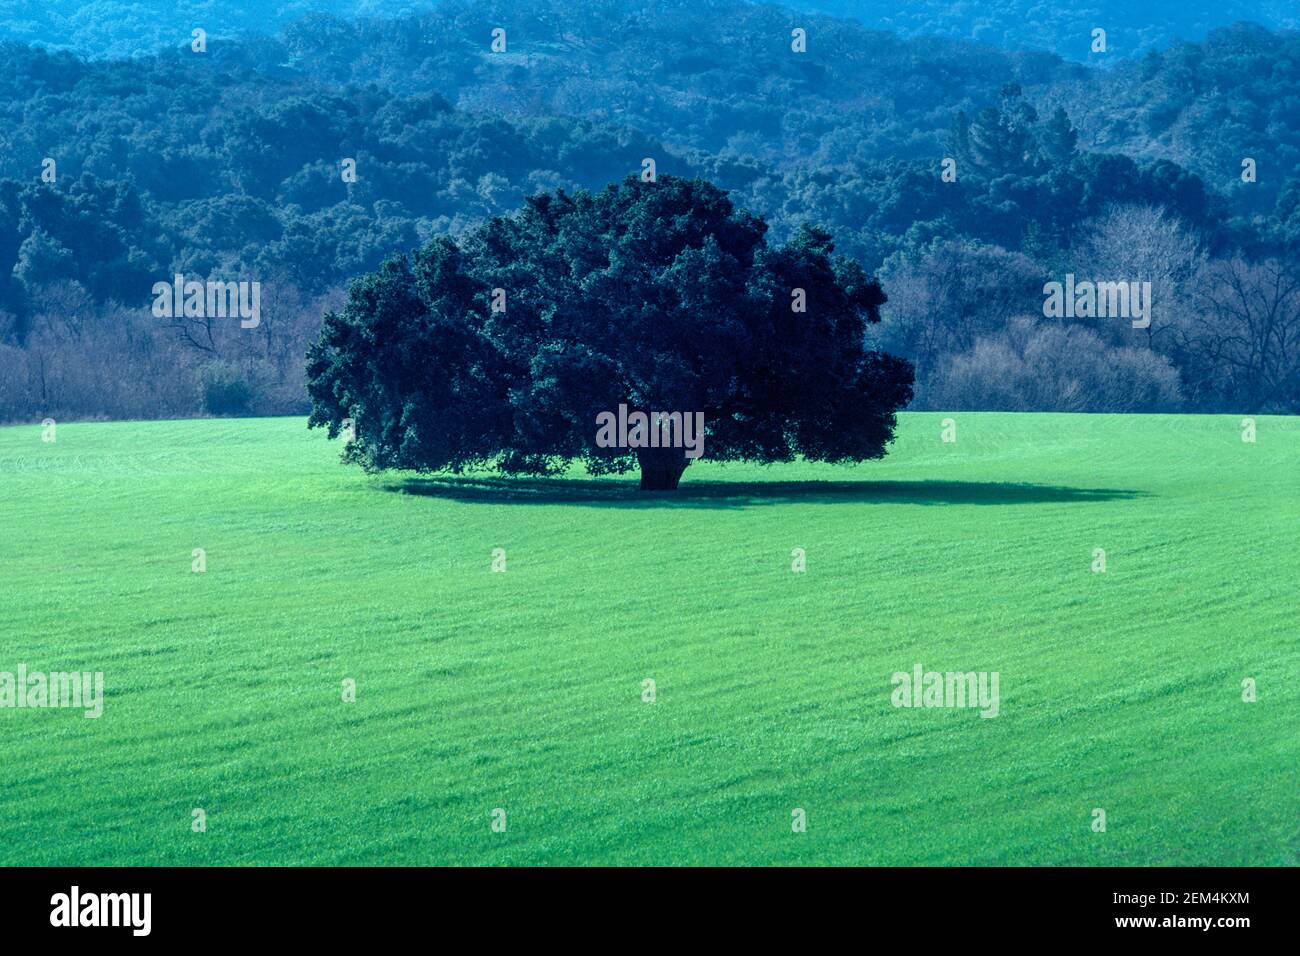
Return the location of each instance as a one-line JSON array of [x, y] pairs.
[[1240, 346], [1037, 365], [1143, 244], [941, 303]]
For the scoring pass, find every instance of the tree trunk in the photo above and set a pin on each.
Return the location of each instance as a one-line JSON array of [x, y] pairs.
[[661, 468]]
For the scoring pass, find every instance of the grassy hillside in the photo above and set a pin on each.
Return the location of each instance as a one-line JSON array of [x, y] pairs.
[[523, 690]]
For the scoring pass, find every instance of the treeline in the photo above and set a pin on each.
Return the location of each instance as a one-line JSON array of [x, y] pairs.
[[123, 28], [719, 76], [114, 29], [234, 163], [1062, 28]]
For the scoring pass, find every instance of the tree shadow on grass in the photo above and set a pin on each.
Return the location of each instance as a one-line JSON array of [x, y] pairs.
[[611, 493]]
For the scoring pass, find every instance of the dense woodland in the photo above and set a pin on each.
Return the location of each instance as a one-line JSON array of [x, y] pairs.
[[1062, 28], [116, 28], [226, 163]]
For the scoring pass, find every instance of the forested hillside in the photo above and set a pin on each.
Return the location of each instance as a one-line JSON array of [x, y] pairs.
[[131, 27], [123, 28], [227, 162], [1062, 28]]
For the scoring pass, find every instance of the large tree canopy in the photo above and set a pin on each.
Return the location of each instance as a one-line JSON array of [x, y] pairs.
[[503, 349]]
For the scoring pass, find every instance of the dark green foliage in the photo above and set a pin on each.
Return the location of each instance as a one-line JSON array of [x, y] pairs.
[[659, 295], [223, 390], [228, 164]]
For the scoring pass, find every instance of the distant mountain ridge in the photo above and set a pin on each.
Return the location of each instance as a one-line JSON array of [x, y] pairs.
[[1061, 28], [122, 28]]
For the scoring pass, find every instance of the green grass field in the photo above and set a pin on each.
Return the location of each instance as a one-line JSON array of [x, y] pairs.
[[523, 690]]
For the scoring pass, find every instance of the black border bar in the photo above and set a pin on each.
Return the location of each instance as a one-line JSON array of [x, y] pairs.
[[978, 905]]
